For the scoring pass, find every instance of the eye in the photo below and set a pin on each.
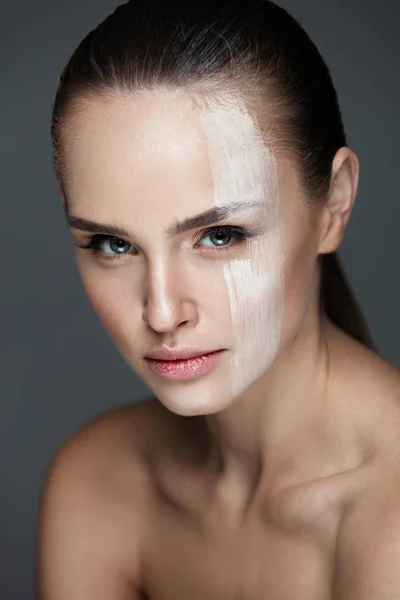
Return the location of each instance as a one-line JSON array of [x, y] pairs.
[[223, 237], [117, 245], [218, 237], [98, 243]]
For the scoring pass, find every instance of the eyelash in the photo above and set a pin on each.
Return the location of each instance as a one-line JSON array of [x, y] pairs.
[[239, 234]]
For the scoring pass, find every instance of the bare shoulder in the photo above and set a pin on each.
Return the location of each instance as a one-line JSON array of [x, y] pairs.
[[368, 538], [104, 450], [367, 553], [356, 358], [92, 507], [369, 387]]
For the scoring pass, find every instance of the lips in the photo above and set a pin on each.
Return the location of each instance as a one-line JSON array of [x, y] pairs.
[[180, 353], [194, 364]]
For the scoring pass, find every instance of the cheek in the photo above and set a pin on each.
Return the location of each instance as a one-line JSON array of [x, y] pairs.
[[256, 296], [300, 283], [256, 293], [256, 305], [113, 300]]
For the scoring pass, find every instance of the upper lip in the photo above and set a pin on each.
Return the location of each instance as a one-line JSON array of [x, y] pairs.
[[181, 352]]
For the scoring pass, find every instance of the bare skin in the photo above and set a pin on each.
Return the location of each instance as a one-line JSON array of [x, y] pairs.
[[137, 489], [290, 491]]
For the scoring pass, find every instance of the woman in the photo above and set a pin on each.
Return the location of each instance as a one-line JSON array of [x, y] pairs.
[[207, 183]]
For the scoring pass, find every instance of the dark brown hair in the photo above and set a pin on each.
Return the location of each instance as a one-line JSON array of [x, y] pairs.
[[148, 44]]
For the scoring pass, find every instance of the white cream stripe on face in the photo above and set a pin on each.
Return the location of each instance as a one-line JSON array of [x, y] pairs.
[[243, 167]]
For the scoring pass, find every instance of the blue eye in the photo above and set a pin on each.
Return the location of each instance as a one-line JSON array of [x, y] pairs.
[[97, 240], [237, 234]]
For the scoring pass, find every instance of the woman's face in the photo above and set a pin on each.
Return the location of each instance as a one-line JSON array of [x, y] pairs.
[[149, 163]]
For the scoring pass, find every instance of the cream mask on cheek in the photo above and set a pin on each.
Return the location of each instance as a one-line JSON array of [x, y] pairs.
[[244, 168]]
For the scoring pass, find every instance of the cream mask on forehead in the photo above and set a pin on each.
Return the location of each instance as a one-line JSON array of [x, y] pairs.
[[243, 169]]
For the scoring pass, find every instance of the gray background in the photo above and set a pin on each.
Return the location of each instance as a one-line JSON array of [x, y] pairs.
[[58, 366]]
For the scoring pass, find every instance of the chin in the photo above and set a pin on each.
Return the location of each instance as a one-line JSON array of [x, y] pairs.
[[191, 400]]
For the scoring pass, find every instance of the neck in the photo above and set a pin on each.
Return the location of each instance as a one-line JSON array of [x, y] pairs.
[[265, 432]]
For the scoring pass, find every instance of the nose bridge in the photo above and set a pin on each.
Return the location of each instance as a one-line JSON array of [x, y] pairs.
[[166, 296]]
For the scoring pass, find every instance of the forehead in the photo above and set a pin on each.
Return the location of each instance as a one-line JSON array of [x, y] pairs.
[[137, 130], [137, 148], [152, 149]]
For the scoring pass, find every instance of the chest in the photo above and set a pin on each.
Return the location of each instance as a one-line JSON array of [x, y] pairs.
[[202, 558]]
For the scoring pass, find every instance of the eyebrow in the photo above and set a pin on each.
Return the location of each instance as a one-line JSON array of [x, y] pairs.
[[213, 215]]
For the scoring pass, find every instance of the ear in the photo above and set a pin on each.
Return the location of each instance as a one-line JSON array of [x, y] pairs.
[[340, 200]]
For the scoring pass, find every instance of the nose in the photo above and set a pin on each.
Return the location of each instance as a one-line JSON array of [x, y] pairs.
[[168, 304]]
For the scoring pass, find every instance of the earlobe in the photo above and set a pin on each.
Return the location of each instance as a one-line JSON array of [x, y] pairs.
[[340, 200]]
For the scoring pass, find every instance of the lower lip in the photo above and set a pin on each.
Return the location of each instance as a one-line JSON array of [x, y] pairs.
[[190, 368]]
